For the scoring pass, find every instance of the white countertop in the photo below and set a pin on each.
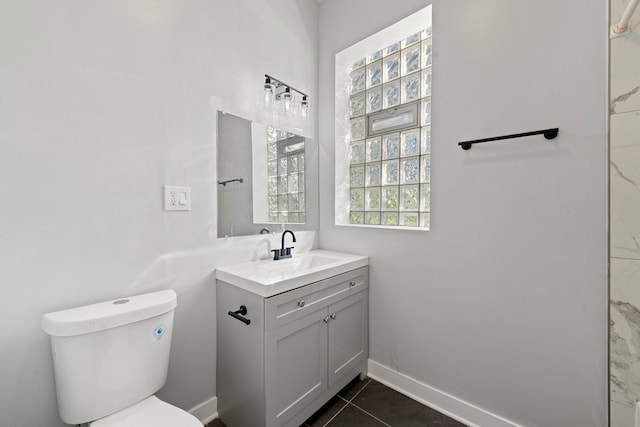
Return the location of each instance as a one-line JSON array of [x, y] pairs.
[[267, 277]]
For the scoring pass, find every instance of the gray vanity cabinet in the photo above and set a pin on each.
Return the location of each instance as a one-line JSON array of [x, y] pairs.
[[300, 349]]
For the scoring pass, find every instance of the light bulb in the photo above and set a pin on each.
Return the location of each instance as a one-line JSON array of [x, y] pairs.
[[304, 108], [286, 100], [269, 90]]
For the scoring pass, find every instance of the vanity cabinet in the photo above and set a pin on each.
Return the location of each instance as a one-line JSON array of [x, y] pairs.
[[299, 349]]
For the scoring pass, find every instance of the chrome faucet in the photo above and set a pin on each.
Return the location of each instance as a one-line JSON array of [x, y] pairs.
[[283, 252]]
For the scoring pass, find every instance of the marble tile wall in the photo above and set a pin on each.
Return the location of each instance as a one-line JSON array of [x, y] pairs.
[[624, 220]]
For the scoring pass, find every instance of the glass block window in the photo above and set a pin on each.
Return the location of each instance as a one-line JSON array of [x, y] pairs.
[[285, 170], [389, 134]]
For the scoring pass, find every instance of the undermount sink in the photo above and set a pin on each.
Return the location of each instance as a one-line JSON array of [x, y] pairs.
[[267, 277]]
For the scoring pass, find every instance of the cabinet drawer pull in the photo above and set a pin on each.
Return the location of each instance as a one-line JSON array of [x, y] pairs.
[[333, 316], [326, 319], [301, 303], [352, 283]]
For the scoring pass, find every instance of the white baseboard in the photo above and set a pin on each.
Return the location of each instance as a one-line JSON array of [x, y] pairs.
[[206, 411], [442, 402]]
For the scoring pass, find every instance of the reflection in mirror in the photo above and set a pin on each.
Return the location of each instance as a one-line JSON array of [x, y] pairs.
[[282, 162], [266, 177]]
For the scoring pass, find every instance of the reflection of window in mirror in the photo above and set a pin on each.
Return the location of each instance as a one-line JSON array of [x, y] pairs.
[[279, 182], [285, 157], [383, 154]]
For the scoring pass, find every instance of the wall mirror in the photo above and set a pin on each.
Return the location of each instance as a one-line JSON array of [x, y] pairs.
[[266, 177]]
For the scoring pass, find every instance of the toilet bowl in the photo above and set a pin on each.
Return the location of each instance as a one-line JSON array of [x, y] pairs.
[[151, 412], [110, 359]]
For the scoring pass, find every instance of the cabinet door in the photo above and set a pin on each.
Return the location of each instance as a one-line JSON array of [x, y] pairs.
[[295, 366], [348, 334]]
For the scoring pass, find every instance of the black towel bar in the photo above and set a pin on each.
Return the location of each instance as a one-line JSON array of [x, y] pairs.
[[224, 183], [548, 134]]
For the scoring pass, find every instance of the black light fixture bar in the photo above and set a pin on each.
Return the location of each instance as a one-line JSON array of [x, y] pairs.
[[277, 83], [548, 134]]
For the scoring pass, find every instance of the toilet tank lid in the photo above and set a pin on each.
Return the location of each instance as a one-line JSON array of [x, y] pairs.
[[108, 314]]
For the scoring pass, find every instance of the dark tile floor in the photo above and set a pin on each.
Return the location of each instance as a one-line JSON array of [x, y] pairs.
[[369, 403]]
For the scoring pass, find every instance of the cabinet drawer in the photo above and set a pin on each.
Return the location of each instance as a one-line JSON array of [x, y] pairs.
[[289, 306]]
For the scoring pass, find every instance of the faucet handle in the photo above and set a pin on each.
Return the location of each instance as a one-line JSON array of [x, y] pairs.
[[287, 251], [276, 254]]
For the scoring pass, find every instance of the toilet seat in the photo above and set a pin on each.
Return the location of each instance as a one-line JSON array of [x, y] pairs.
[[151, 412]]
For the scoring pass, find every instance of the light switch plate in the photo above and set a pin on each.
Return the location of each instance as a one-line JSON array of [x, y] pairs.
[[177, 198]]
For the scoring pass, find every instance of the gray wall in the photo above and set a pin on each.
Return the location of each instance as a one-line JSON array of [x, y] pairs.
[[503, 303], [102, 104]]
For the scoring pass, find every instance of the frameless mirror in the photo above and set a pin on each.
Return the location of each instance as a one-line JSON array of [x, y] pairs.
[[266, 177]]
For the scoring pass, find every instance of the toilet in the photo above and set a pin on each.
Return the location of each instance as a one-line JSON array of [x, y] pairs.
[[109, 360]]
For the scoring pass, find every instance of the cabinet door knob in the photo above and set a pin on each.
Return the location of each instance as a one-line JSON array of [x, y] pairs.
[[333, 316], [352, 283], [301, 303], [326, 319]]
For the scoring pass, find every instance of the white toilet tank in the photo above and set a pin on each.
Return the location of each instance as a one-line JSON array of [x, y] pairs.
[[110, 355]]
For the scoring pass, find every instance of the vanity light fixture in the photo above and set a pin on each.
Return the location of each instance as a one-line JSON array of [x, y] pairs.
[[284, 96]]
